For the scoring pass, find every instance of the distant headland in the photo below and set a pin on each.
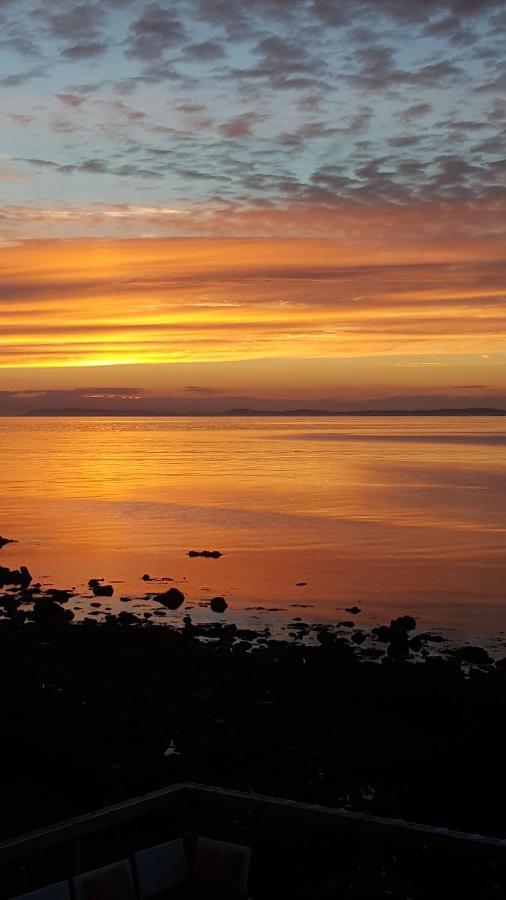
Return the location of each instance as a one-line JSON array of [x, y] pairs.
[[246, 411]]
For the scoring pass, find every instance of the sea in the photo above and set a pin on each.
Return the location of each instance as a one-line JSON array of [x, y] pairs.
[[312, 515]]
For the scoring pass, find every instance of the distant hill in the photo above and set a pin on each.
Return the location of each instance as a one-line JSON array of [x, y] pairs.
[[245, 411], [467, 411]]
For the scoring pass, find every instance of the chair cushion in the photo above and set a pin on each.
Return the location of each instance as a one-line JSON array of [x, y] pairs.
[[216, 870], [113, 884]]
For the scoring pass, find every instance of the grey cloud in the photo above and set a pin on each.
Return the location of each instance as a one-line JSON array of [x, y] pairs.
[[153, 32], [84, 50], [206, 51], [415, 111]]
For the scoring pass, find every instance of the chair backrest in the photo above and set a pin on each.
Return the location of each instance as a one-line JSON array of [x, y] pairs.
[[161, 868], [59, 891], [220, 865], [112, 882]]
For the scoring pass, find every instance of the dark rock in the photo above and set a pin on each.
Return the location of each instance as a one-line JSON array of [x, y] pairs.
[[346, 624], [19, 576], [358, 637], [399, 649], [476, 656], [59, 596], [146, 577], [402, 625], [208, 554], [47, 612], [382, 633], [301, 584], [127, 618], [397, 630], [102, 590], [172, 599], [354, 610], [95, 603], [218, 604], [4, 541], [325, 637], [10, 603]]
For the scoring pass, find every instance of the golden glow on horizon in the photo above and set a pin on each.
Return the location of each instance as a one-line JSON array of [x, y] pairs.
[[68, 304]]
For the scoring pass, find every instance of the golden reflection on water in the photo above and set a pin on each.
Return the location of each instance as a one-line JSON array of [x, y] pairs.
[[393, 514]]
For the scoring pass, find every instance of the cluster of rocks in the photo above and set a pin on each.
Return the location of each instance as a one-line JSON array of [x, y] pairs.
[[207, 554]]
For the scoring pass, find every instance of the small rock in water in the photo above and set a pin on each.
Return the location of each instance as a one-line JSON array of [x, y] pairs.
[[146, 577], [208, 554], [47, 612], [19, 576], [172, 599], [4, 541], [59, 596], [218, 604], [301, 584], [354, 610], [102, 590]]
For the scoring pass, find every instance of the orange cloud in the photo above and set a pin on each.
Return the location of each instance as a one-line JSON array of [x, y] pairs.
[[149, 303]]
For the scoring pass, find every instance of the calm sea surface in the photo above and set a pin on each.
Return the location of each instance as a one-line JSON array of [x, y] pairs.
[[394, 515]]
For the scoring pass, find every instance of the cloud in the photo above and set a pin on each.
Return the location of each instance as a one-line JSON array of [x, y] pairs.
[[153, 32]]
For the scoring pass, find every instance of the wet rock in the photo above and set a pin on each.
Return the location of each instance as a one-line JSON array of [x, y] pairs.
[[10, 603], [358, 637], [207, 554], [397, 630], [47, 612], [19, 576], [417, 643], [89, 623], [382, 633], [354, 610], [402, 625], [59, 596], [127, 618], [398, 650], [125, 599], [146, 577], [172, 599], [102, 590], [4, 541], [325, 637], [218, 604], [346, 624], [95, 603], [301, 584], [476, 656]]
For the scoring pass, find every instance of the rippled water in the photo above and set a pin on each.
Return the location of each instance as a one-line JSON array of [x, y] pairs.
[[392, 514]]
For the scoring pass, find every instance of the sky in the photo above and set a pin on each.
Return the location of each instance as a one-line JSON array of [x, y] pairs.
[[289, 203]]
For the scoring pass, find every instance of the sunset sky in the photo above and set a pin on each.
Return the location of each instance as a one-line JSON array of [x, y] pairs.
[[211, 203]]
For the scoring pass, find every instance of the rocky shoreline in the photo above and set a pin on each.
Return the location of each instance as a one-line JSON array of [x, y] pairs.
[[387, 719]]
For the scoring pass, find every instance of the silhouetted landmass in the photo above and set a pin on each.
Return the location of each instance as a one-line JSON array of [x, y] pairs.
[[246, 411], [466, 411]]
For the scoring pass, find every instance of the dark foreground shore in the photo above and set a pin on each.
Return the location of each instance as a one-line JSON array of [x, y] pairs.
[[94, 713]]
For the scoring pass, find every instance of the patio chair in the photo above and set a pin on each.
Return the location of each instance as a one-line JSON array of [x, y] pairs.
[[59, 891], [161, 868], [112, 882], [220, 869]]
